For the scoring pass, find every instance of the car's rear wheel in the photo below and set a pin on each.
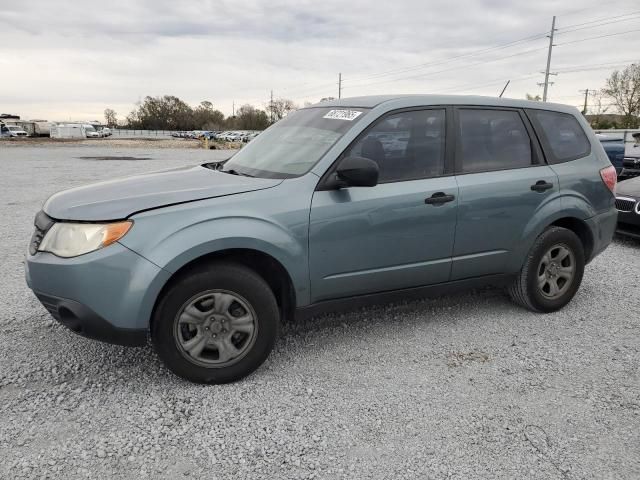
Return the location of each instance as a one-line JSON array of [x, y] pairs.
[[217, 324], [552, 272]]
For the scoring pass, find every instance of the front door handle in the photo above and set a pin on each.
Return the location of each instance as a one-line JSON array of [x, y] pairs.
[[541, 186], [439, 198]]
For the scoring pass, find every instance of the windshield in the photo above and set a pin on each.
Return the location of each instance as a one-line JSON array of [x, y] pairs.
[[15, 129], [292, 146]]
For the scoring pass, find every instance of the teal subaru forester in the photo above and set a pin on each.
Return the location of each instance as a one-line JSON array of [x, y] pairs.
[[338, 204]]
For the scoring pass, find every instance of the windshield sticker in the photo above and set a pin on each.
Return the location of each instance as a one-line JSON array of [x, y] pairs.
[[349, 115]]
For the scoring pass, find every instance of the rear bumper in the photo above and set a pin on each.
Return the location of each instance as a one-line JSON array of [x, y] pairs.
[[82, 320], [603, 227]]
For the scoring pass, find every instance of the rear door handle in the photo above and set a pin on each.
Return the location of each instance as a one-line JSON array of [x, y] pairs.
[[439, 198], [541, 186]]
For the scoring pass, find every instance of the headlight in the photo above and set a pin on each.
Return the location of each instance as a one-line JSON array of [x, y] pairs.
[[73, 239]]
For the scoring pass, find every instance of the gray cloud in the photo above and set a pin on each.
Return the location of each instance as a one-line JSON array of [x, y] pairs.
[[72, 59]]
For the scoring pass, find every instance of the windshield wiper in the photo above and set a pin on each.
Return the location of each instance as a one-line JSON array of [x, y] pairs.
[[235, 172], [214, 165]]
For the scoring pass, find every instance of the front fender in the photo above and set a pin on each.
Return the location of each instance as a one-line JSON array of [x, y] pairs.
[[193, 242], [173, 239]]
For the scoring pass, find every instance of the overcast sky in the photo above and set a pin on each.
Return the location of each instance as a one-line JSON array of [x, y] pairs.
[[62, 60]]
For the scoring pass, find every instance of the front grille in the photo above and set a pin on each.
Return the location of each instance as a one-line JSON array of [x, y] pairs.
[[42, 223], [624, 204]]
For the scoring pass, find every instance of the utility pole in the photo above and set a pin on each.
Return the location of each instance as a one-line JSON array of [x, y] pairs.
[[340, 85], [546, 72], [586, 94], [233, 109], [271, 108]]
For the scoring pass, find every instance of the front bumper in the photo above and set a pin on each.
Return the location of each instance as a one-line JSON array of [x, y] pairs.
[[629, 222], [107, 295], [82, 320], [630, 167]]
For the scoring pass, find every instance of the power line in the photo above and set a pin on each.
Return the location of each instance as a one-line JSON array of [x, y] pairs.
[[450, 69], [599, 36], [307, 90], [497, 81], [450, 59], [637, 17], [479, 52], [527, 76], [636, 12]]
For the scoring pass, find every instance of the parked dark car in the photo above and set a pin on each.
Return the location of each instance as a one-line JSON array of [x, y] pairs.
[[615, 150], [631, 161], [628, 206]]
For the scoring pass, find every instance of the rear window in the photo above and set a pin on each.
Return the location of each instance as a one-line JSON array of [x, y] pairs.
[[561, 134], [492, 140]]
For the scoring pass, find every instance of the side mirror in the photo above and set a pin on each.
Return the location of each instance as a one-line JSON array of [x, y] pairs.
[[358, 172]]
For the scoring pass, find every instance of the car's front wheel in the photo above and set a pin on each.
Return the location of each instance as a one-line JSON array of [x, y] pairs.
[[216, 324], [552, 272]]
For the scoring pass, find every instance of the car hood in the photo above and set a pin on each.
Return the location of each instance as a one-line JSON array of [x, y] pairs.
[[120, 198], [629, 187]]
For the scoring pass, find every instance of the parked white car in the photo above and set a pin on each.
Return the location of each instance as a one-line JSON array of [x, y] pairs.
[[233, 137], [106, 132], [16, 131], [91, 132]]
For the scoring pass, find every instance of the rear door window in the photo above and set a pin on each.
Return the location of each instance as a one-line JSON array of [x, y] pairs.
[[490, 139], [561, 135]]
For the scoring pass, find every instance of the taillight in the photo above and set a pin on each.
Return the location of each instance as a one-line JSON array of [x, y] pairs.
[[610, 178]]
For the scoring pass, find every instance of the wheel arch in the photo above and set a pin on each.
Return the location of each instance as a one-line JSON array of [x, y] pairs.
[[571, 219], [581, 229], [268, 267]]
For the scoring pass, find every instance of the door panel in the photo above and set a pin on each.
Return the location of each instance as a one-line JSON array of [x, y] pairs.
[[502, 184], [365, 240], [493, 210]]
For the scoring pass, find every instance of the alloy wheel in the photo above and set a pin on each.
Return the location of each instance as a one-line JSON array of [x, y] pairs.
[[556, 271]]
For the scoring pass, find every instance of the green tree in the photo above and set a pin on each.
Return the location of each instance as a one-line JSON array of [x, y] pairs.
[[249, 117], [162, 113], [535, 98], [205, 117]]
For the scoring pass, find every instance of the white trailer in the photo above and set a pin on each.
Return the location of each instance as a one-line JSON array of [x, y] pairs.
[[67, 130], [42, 128]]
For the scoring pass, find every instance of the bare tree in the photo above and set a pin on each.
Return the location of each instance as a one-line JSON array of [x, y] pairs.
[[623, 87], [280, 107], [110, 117], [597, 108]]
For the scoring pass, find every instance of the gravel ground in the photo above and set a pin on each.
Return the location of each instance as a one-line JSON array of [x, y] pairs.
[[113, 142], [464, 386]]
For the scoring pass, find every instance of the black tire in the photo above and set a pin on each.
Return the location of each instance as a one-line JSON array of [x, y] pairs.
[[231, 277], [525, 290]]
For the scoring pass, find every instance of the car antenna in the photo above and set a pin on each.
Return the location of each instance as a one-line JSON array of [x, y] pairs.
[[505, 87]]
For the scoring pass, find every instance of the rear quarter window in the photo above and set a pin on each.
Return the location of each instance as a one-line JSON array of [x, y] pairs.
[[561, 135]]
